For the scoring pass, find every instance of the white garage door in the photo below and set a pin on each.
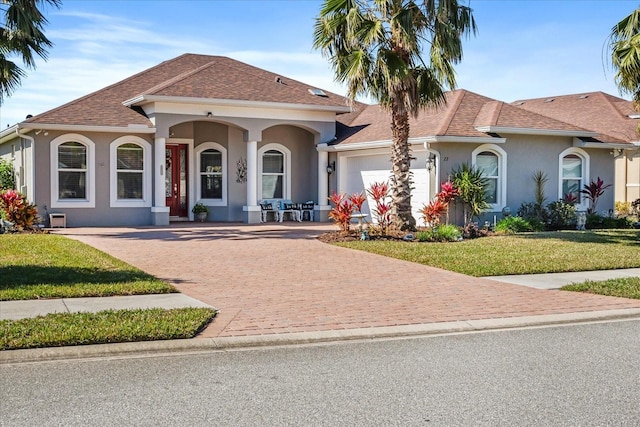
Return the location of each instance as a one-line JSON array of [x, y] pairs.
[[362, 171]]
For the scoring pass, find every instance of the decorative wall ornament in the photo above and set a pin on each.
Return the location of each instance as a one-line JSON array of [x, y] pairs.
[[241, 170]]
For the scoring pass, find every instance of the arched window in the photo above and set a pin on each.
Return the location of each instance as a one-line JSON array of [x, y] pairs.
[[492, 161], [275, 172], [487, 162], [212, 174], [574, 171], [72, 172], [130, 172], [273, 175]]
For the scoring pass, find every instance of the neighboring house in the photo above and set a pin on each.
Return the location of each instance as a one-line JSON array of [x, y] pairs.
[[507, 142], [214, 130], [615, 121]]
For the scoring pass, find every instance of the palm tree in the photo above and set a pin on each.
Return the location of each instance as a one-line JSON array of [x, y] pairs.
[[624, 45], [375, 47], [21, 34]]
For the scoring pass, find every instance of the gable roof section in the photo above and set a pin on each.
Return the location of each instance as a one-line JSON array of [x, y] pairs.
[[187, 76], [465, 115], [600, 112], [228, 79]]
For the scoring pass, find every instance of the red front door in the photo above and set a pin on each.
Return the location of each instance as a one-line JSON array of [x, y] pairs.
[[176, 180]]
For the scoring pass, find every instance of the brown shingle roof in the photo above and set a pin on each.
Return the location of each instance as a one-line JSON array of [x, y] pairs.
[[188, 76], [596, 111], [463, 112]]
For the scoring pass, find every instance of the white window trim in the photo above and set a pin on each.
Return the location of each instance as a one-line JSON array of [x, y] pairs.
[[286, 191], [225, 172], [90, 200], [501, 200], [584, 203], [147, 193]]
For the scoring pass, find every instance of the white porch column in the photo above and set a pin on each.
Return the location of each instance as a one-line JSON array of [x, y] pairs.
[[323, 207], [252, 173], [323, 178], [159, 211], [252, 210]]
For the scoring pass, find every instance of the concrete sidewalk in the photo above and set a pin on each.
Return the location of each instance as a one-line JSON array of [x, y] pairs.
[[13, 310], [558, 280]]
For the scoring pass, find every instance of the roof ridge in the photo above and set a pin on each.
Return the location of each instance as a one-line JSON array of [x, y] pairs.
[[104, 89], [451, 111], [496, 108], [179, 77]]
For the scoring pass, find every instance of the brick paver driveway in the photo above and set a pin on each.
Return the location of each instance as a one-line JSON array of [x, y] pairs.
[[274, 278]]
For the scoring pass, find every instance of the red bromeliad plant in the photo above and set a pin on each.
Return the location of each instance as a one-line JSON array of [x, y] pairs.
[[434, 211], [343, 208], [447, 193], [357, 200], [440, 205], [17, 210], [379, 192]]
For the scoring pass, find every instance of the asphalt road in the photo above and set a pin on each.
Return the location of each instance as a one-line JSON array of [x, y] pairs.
[[587, 375]]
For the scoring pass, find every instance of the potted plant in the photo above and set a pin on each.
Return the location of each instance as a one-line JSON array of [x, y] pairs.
[[201, 211]]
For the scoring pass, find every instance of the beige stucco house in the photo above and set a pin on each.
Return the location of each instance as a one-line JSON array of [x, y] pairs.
[[615, 121], [214, 130]]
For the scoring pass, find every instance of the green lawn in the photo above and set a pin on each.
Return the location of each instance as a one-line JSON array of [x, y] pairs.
[[52, 266], [519, 254], [110, 326], [626, 287]]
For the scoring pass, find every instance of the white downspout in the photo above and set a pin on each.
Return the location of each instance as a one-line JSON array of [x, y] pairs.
[[31, 187]]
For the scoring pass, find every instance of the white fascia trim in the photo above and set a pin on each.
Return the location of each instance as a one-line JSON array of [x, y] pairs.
[[366, 145], [602, 145], [132, 128], [467, 139], [145, 99], [8, 134], [533, 131]]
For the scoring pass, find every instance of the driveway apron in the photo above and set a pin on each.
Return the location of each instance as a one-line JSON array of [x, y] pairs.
[[268, 279]]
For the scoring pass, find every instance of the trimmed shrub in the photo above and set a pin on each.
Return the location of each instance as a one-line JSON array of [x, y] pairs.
[[562, 215], [442, 233], [7, 176], [595, 221], [513, 224]]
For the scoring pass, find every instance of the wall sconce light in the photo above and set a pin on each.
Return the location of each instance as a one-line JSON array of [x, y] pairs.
[[209, 114], [431, 162], [331, 167]]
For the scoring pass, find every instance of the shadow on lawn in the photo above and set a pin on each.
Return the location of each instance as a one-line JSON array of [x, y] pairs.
[[14, 276], [621, 237]]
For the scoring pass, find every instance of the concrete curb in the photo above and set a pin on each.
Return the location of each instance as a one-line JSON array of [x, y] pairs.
[[229, 343]]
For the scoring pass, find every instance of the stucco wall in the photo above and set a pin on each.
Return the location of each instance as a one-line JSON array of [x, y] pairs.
[[102, 214], [304, 156]]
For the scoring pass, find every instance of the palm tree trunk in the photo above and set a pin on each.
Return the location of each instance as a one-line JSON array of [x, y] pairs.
[[401, 160]]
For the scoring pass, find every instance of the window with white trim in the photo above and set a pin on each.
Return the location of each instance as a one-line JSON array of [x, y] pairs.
[[273, 175], [492, 161], [574, 174], [130, 172], [275, 172], [487, 162], [211, 186], [72, 172]]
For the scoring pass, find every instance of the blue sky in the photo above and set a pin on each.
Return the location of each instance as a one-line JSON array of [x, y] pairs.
[[524, 49]]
